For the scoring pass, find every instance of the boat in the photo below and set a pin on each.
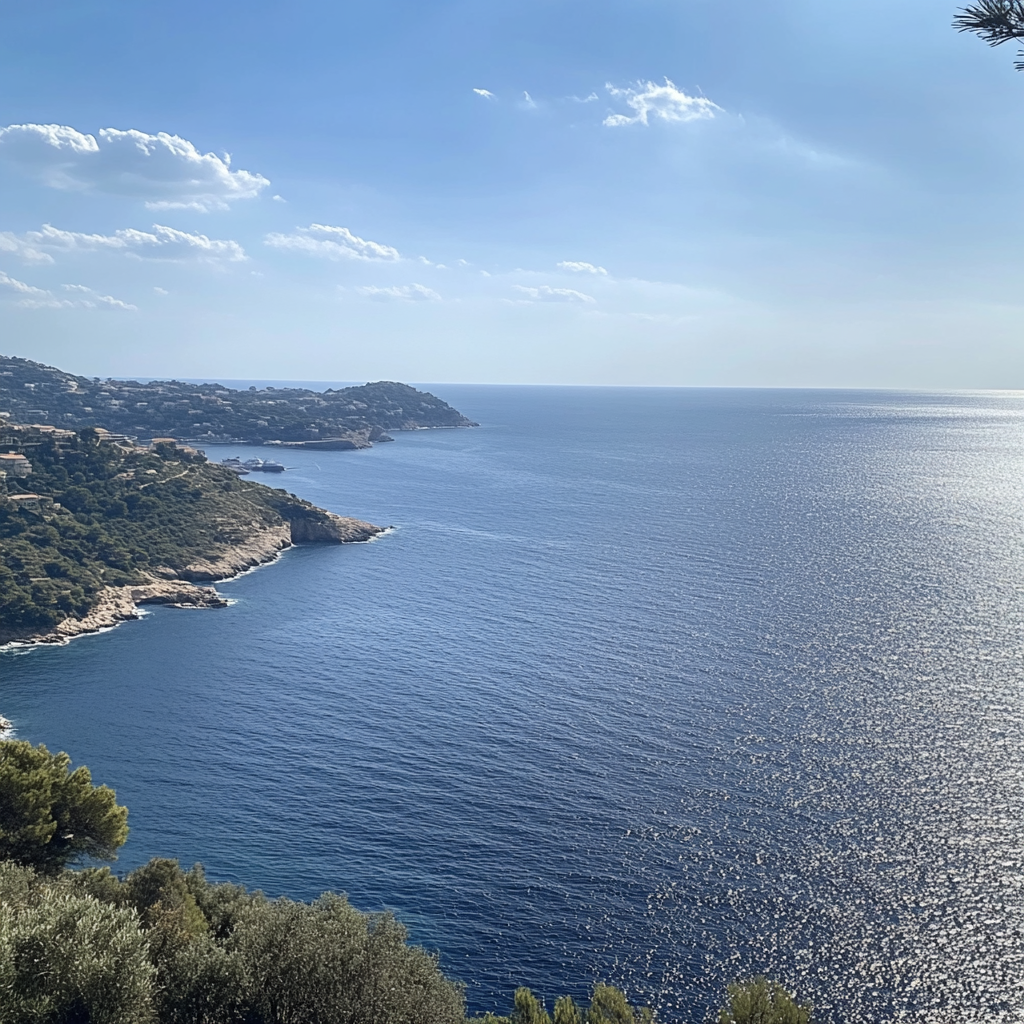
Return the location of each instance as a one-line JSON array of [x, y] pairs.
[[235, 465], [263, 466]]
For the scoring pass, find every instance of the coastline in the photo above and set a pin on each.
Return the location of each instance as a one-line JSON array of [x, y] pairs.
[[115, 605]]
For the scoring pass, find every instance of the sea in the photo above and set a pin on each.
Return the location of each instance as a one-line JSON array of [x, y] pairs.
[[658, 687]]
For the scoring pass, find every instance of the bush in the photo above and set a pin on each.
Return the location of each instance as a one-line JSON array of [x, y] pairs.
[[67, 957], [87, 948], [759, 1001], [608, 1005]]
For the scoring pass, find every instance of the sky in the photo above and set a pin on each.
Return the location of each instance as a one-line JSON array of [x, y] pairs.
[[632, 192]]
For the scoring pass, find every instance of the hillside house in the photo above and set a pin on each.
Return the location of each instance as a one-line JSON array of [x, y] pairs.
[[15, 465]]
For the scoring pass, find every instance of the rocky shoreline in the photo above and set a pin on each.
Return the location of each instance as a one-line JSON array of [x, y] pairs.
[[179, 590]]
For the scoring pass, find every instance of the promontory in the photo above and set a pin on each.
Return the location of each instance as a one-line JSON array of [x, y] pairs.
[[95, 520]]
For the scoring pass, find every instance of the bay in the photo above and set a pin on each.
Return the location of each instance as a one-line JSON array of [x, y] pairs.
[[655, 686]]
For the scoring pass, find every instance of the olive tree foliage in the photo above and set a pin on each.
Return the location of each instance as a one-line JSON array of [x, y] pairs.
[[50, 816], [226, 956], [760, 1001], [995, 21], [67, 957]]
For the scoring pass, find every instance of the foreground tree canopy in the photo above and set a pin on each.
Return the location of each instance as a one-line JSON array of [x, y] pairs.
[[50, 816], [996, 21], [164, 945]]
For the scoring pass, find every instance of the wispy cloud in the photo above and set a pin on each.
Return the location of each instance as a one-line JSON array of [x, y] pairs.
[[165, 170], [30, 297], [545, 293], [582, 268], [90, 299], [11, 243], [666, 101], [528, 102], [486, 93], [12, 284], [332, 243], [160, 243], [400, 293]]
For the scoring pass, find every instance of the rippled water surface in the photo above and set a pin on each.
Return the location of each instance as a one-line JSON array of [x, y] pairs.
[[656, 686]]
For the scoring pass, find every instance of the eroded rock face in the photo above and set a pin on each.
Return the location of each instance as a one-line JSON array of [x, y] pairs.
[[262, 546], [177, 595], [118, 604], [328, 528]]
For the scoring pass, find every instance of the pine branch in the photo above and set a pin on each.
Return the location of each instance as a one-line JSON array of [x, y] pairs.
[[995, 21]]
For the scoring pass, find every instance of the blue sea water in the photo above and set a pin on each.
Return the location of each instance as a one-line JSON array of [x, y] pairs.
[[660, 686]]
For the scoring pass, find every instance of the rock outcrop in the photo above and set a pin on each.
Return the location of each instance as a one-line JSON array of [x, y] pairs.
[[118, 604], [328, 528], [260, 547]]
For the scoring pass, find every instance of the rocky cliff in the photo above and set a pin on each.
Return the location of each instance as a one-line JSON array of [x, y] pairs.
[[110, 525]]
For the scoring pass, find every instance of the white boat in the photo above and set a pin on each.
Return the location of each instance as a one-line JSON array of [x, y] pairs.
[[263, 466]]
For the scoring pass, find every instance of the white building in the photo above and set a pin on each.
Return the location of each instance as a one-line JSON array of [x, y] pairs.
[[15, 465]]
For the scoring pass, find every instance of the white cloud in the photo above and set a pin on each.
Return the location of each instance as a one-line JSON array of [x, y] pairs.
[[582, 268], [664, 101], [585, 99], [528, 102], [165, 170], [9, 242], [160, 243], [160, 291], [31, 297], [486, 93], [337, 244], [405, 292], [19, 287], [91, 299], [545, 293]]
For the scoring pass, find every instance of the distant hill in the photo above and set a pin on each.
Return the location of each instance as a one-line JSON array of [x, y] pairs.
[[208, 413]]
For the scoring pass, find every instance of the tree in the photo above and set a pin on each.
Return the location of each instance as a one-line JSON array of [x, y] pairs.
[[995, 21], [759, 1001], [566, 1011], [528, 1009], [608, 1005], [50, 817]]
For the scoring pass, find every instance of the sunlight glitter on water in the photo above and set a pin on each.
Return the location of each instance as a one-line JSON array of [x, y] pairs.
[[661, 687]]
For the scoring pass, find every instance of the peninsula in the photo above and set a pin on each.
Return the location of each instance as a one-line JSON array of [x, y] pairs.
[[94, 522], [92, 526], [347, 418]]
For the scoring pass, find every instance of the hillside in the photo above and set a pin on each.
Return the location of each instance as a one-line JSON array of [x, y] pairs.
[[90, 527], [207, 413]]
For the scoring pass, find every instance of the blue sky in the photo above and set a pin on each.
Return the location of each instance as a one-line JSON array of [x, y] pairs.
[[640, 192]]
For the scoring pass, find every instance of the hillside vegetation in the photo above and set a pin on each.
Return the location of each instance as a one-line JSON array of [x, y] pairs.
[[114, 515], [33, 393]]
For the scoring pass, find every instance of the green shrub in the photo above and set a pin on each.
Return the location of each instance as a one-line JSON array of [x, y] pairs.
[[759, 1001], [66, 957]]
